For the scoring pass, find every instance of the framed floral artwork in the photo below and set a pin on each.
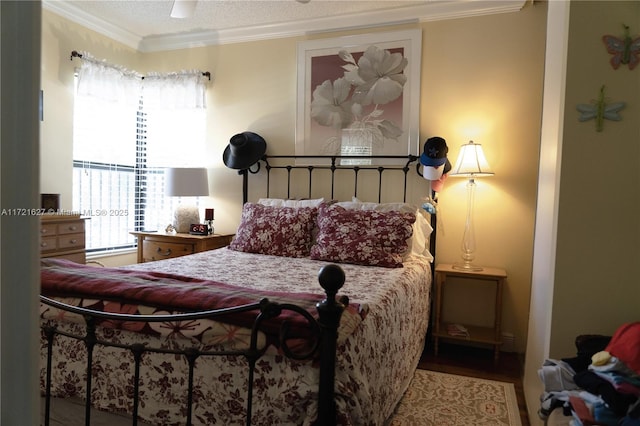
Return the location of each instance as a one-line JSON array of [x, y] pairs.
[[359, 95]]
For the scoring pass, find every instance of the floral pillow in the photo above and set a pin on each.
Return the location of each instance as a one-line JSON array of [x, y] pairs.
[[419, 241], [362, 237], [279, 231]]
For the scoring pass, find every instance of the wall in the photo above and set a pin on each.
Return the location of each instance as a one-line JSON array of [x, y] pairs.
[[59, 38], [598, 229], [481, 79], [591, 286]]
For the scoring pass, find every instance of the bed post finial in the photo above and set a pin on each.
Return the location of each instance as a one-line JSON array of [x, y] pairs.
[[331, 279], [330, 310]]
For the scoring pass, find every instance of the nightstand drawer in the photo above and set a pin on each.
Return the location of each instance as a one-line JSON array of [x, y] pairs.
[[218, 242], [157, 246], [157, 250]]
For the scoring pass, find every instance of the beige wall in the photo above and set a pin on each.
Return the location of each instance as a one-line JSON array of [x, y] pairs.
[[591, 285], [481, 79], [59, 38], [596, 286]]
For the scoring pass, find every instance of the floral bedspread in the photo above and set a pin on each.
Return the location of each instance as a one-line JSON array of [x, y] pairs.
[[127, 291], [377, 352]]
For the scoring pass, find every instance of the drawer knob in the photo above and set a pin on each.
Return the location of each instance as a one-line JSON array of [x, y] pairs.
[[43, 244], [73, 241], [72, 227], [166, 253]]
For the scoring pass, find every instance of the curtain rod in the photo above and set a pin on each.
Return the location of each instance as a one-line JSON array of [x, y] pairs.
[[76, 54]]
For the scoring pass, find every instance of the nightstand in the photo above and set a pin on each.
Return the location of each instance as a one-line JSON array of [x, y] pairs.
[[485, 335], [158, 245]]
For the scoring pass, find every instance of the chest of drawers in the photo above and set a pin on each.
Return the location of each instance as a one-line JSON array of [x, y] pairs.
[[63, 237]]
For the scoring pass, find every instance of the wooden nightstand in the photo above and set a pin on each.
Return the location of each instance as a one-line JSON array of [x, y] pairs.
[[158, 245], [486, 335]]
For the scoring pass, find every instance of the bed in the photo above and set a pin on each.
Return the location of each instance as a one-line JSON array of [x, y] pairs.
[[271, 358]]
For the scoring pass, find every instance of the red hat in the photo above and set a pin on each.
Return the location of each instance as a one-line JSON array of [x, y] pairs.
[[625, 345]]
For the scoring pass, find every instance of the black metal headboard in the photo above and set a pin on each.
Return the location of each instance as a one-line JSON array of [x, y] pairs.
[[294, 167], [334, 164]]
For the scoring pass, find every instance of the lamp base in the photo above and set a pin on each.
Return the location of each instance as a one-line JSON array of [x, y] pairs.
[[184, 216], [467, 266]]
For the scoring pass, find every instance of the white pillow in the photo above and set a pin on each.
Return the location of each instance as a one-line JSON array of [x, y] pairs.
[[279, 202], [419, 241], [422, 230], [381, 207]]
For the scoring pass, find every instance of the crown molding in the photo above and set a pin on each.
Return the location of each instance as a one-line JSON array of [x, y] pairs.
[[432, 11], [92, 22]]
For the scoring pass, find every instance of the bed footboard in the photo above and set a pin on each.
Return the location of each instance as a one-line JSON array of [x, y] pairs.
[[323, 345]]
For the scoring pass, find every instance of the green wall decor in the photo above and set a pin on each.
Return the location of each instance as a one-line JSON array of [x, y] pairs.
[[599, 110]]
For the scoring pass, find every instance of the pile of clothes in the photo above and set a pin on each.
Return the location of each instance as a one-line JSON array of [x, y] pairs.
[[600, 385]]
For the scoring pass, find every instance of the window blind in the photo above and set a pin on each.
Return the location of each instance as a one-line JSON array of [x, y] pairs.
[[120, 152]]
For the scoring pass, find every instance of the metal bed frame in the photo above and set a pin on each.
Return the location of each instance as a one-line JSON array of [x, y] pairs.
[[325, 328], [331, 278]]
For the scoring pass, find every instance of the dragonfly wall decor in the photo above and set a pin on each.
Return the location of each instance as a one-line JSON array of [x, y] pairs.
[[600, 110]]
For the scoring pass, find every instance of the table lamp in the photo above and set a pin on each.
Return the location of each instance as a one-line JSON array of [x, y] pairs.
[[471, 163], [186, 182]]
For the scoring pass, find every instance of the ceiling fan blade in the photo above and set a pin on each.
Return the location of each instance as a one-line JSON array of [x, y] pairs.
[[183, 8]]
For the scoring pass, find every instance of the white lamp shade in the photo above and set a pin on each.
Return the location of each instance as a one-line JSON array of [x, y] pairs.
[[471, 162], [186, 182]]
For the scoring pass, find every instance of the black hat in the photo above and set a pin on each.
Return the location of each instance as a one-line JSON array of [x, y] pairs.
[[435, 152], [244, 150]]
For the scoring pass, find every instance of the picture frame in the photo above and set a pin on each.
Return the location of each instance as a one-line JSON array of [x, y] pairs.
[[345, 108], [50, 203]]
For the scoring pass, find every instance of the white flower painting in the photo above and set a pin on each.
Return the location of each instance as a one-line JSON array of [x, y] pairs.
[[356, 98]]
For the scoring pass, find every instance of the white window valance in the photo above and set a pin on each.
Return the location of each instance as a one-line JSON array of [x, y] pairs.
[[109, 82], [186, 89]]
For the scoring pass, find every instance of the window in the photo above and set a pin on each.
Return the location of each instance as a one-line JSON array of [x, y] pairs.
[[120, 150]]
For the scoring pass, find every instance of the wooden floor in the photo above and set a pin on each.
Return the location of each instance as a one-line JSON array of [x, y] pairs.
[[478, 362]]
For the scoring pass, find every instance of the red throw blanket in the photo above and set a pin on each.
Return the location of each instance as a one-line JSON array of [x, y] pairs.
[[63, 278]]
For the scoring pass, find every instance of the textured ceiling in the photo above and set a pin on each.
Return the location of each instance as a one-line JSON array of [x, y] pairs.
[[147, 25], [146, 18]]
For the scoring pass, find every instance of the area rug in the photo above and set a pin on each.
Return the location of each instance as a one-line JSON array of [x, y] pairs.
[[433, 399], [440, 399]]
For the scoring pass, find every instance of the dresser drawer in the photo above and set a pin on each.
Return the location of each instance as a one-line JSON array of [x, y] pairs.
[[71, 227], [70, 241], [48, 229], [48, 243], [157, 250]]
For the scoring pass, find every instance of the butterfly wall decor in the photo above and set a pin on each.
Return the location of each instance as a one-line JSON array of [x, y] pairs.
[[625, 51], [600, 110]]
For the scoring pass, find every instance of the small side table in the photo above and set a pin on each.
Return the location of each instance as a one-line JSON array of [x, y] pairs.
[[159, 245], [486, 335]]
